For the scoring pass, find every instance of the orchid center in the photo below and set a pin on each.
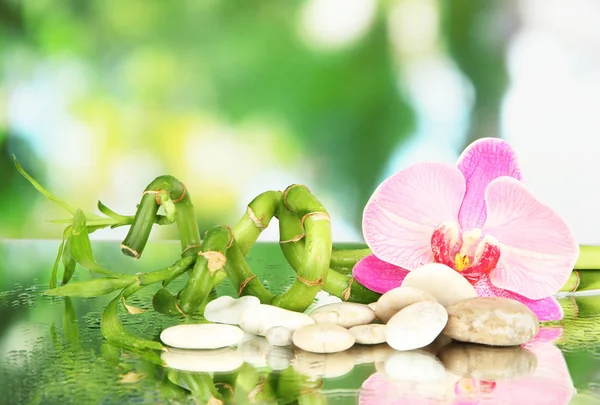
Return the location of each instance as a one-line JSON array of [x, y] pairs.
[[470, 252]]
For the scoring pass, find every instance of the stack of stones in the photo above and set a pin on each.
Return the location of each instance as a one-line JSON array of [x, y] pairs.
[[434, 306]]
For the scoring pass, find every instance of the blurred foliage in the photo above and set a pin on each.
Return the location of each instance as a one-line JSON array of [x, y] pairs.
[[147, 76]]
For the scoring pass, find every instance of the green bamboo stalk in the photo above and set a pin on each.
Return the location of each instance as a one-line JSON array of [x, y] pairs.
[[165, 303], [589, 258], [258, 214], [172, 193], [210, 260], [292, 245], [347, 258], [243, 279], [312, 272]]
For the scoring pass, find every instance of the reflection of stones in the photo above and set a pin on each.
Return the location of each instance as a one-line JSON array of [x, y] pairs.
[[346, 314], [399, 298], [227, 309], [323, 338], [446, 285], [201, 336], [317, 365], [279, 358], [254, 351], [491, 321], [279, 336], [416, 326], [369, 334], [258, 319], [414, 366], [363, 354], [487, 362], [205, 361], [435, 346]]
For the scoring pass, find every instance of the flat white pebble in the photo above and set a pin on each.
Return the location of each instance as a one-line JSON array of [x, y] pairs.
[[323, 338], [279, 336], [443, 283], [227, 309], [373, 306], [201, 336], [399, 298], [322, 298], [369, 334], [203, 361], [416, 326], [345, 314], [258, 319], [317, 365], [415, 366]]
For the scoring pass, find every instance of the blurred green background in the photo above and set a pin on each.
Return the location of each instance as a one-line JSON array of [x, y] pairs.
[[236, 97]]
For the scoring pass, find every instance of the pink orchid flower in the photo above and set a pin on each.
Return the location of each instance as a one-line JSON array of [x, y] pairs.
[[477, 218]]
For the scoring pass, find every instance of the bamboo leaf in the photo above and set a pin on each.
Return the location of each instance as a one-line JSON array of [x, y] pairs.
[[111, 214], [91, 288], [113, 330], [81, 248], [41, 189], [54, 276], [68, 261]]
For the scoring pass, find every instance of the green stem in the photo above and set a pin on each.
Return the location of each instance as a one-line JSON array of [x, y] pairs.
[[312, 273], [202, 387], [258, 214], [293, 247], [146, 215], [347, 258], [189, 235], [179, 267], [589, 258], [209, 261], [242, 278]]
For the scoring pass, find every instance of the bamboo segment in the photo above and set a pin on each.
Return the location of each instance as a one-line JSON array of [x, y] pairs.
[[589, 258], [243, 279], [257, 217], [312, 272], [210, 260]]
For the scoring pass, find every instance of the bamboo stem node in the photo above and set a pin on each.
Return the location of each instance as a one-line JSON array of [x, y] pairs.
[[129, 251], [287, 190], [245, 283], [348, 290], [196, 245], [294, 239], [578, 281], [255, 220], [310, 283], [317, 216]]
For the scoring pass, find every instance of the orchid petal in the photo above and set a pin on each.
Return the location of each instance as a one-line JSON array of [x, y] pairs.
[[537, 249], [547, 334], [377, 275], [481, 162], [402, 213], [546, 309]]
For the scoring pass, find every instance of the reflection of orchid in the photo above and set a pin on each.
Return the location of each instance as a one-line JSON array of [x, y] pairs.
[[549, 384], [478, 219]]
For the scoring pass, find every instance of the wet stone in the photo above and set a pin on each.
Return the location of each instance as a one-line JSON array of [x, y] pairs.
[[323, 338], [491, 321], [227, 309], [416, 326], [345, 314], [399, 298], [369, 334], [201, 336]]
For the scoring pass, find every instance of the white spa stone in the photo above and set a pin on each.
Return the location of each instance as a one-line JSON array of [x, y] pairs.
[[399, 298], [201, 336], [416, 326], [203, 361], [322, 298], [345, 314], [317, 365], [446, 285], [258, 319], [279, 336], [369, 334], [323, 338], [227, 309], [373, 306]]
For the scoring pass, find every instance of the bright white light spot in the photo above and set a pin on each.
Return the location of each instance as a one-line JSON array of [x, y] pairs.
[[413, 26], [336, 23]]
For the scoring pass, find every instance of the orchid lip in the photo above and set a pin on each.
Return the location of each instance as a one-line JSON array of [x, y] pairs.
[[470, 253]]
